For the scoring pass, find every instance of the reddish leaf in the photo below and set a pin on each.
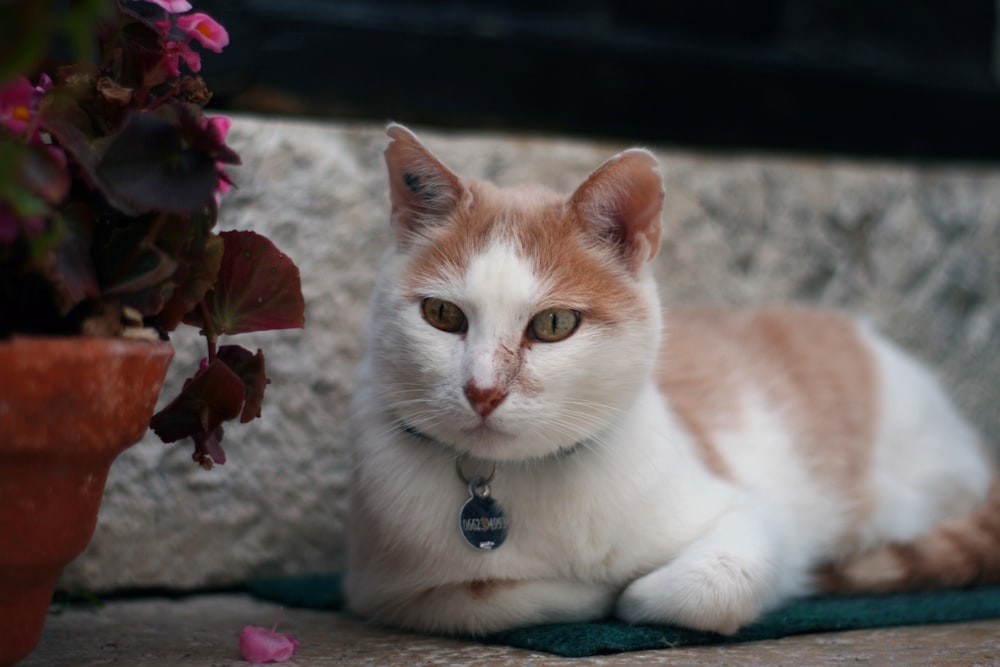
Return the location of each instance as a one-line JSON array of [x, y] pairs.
[[149, 166], [214, 395], [250, 368], [208, 449], [61, 114], [44, 172], [258, 288], [72, 271], [195, 276], [150, 268]]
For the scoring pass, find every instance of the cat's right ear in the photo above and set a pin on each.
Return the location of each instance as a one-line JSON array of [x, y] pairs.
[[622, 202], [422, 190]]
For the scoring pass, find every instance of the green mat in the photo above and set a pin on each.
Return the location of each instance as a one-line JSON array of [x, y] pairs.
[[575, 640]]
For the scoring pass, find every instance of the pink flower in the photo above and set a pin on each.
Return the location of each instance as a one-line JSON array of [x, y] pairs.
[[205, 29], [12, 225], [191, 57], [220, 125], [178, 33], [16, 101], [44, 83], [259, 645], [172, 59], [173, 52], [173, 6]]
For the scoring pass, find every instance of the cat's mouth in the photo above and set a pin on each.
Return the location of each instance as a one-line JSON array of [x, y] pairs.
[[486, 432]]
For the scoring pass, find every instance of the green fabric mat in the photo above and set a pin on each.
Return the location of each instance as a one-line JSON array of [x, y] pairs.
[[574, 640]]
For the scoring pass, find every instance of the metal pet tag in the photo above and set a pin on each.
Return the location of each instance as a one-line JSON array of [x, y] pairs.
[[482, 520]]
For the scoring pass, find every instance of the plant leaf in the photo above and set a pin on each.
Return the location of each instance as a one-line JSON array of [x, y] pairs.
[[258, 288], [25, 30], [44, 172], [61, 114], [208, 448], [131, 266], [150, 269], [197, 269], [148, 165], [250, 368], [213, 396], [72, 270], [194, 279]]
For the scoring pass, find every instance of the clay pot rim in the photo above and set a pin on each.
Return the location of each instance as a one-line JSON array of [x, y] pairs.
[[76, 344], [22, 353], [96, 381]]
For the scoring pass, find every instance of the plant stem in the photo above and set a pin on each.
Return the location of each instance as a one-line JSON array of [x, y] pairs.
[[207, 331], [161, 99], [147, 242]]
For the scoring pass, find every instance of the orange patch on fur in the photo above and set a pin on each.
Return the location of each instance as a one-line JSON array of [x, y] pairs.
[[484, 588], [961, 552], [810, 365]]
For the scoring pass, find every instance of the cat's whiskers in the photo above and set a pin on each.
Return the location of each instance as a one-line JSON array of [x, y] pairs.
[[569, 423]]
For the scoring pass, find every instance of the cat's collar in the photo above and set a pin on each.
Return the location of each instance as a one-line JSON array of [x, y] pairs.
[[409, 430], [423, 437]]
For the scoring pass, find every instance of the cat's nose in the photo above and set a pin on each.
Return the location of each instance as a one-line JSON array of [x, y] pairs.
[[484, 400]]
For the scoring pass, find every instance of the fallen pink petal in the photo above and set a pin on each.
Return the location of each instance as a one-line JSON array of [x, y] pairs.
[[262, 645]]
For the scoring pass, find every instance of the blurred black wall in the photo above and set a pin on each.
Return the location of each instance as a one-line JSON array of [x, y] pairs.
[[897, 78]]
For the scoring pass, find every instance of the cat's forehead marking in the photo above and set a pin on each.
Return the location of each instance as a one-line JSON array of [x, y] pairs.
[[529, 228], [490, 232], [500, 278]]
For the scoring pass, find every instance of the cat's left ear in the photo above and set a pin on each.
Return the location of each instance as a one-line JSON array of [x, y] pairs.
[[422, 190], [622, 201]]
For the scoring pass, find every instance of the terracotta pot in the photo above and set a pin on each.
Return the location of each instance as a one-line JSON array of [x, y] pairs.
[[68, 407]]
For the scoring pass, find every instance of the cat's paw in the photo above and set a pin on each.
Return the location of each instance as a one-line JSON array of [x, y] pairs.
[[719, 595]]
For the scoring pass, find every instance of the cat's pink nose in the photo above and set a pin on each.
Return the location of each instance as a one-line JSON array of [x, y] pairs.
[[484, 400]]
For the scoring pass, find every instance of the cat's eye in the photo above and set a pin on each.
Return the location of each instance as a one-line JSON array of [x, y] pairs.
[[554, 324], [444, 315]]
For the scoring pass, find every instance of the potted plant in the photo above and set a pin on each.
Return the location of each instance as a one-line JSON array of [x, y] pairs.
[[111, 176]]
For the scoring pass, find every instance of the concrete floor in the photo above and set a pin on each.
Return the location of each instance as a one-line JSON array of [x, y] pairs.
[[202, 631]]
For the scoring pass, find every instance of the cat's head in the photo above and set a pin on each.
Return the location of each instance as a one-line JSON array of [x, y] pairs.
[[511, 324]]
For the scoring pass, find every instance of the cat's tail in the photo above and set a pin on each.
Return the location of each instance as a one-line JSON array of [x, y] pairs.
[[955, 553]]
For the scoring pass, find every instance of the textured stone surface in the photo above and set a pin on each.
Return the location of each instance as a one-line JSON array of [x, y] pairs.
[[915, 248], [203, 632]]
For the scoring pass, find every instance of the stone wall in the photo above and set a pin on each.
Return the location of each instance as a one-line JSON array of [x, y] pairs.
[[916, 248]]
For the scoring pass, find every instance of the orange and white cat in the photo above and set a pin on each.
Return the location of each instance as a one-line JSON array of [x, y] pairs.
[[695, 468]]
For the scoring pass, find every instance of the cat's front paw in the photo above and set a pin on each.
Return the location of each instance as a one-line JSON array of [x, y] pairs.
[[721, 595]]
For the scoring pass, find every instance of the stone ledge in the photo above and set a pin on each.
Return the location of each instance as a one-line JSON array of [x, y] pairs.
[[912, 247], [202, 631]]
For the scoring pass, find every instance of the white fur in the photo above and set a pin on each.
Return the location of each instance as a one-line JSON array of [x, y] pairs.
[[928, 464]]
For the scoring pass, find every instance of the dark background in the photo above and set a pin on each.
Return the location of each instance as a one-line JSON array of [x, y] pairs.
[[887, 78]]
